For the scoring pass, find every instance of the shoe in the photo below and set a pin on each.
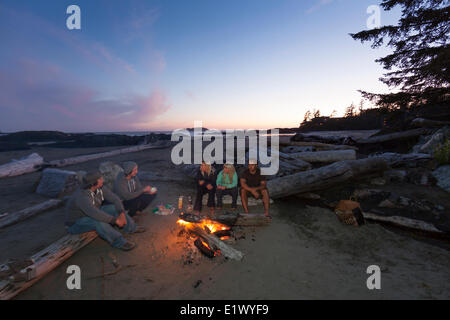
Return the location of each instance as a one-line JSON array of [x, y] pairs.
[[128, 246], [140, 229]]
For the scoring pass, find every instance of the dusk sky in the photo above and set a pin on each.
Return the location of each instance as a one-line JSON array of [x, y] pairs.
[[161, 65]]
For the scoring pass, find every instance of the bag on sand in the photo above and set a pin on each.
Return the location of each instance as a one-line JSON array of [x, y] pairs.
[[349, 212]]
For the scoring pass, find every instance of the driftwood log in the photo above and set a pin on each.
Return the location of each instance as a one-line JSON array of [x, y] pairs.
[[57, 183], [18, 167], [89, 157], [15, 217], [324, 177], [398, 159], [421, 122], [285, 141], [394, 136], [216, 243], [403, 222], [153, 176], [45, 261], [243, 220], [322, 156]]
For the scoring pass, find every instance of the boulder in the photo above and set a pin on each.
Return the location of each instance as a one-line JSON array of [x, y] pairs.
[[56, 183], [110, 170], [442, 175]]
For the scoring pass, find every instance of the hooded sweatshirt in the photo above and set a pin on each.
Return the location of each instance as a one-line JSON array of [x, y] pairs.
[[127, 189], [85, 203]]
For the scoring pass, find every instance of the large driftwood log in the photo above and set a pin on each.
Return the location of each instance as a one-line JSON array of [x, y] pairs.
[[57, 183], [153, 176], [398, 159], [421, 122], [89, 157], [402, 222], [322, 156], [216, 243], [46, 260], [12, 218], [18, 167], [324, 177], [394, 136], [243, 220], [285, 141]]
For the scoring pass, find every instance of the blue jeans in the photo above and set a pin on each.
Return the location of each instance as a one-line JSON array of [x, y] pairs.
[[104, 230]]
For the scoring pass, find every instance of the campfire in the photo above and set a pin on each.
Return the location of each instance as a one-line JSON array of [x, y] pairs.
[[206, 232]]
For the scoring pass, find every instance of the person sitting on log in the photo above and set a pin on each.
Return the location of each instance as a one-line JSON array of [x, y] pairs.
[[206, 183], [127, 186], [226, 182], [254, 184], [87, 211]]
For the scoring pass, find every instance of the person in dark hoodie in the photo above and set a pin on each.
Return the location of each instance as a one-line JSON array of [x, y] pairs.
[[87, 211], [127, 186], [206, 184]]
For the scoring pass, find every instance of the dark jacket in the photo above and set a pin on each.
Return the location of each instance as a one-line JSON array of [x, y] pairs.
[[209, 179], [127, 189]]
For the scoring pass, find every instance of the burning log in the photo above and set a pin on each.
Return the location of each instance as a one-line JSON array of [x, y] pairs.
[[210, 239], [204, 248], [324, 177]]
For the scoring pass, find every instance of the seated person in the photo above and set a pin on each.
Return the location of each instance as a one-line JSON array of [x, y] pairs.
[[226, 184], [253, 183], [206, 183], [127, 186], [85, 211]]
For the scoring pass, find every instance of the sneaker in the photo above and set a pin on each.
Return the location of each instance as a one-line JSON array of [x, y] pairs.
[[128, 246], [140, 229]]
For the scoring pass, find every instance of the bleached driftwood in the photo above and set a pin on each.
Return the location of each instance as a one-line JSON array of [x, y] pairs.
[[402, 222], [46, 260], [285, 141], [421, 122], [57, 183], [12, 218], [323, 156], [394, 136], [89, 157], [18, 167], [324, 177], [398, 159]]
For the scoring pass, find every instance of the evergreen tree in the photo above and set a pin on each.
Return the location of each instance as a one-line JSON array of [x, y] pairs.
[[419, 65]]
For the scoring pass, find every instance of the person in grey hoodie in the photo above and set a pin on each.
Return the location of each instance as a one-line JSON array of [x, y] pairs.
[[86, 211], [127, 186]]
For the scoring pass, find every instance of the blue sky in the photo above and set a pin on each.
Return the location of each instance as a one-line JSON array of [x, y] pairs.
[[161, 65]]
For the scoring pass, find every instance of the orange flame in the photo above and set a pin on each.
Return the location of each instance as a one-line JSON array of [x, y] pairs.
[[212, 226]]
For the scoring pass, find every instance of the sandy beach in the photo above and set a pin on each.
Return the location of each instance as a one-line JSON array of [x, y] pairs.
[[305, 253]]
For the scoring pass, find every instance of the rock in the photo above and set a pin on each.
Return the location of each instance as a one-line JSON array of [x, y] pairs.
[[438, 137], [110, 170], [442, 175], [56, 183]]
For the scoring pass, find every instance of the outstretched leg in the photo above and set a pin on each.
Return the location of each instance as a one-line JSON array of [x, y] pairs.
[[244, 199]]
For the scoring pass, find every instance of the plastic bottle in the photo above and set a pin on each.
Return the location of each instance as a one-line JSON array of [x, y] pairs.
[[180, 203]]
